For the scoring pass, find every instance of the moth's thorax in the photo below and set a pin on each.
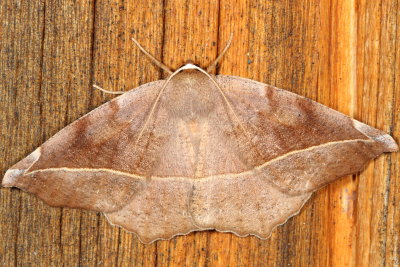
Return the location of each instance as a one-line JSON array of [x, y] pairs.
[[190, 94]]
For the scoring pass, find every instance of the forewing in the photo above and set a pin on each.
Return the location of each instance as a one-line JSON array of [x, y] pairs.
[[305, 144]]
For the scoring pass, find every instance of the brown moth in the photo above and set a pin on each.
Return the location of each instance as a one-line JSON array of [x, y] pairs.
[[197, 152]]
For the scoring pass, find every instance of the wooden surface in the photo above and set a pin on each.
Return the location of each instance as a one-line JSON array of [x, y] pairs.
[[342, 53]]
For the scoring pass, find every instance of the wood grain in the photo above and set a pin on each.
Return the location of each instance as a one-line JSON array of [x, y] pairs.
[[344, 54]]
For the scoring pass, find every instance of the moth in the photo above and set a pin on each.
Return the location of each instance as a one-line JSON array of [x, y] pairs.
[[197, 152]]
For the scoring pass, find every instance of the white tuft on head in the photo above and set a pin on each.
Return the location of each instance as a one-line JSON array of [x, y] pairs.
[[189, 66]]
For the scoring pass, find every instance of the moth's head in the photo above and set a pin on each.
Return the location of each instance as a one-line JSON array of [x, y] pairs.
[[191, 92]]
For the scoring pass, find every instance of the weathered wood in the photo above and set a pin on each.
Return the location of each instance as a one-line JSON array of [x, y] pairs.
[[344, 54], [20, 78]]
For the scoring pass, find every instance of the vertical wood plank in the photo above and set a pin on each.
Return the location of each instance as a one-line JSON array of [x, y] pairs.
[[342, 85], [120, 66], [65, 91], [21, 35], [190, 33], [392, 244], [378, 45]]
